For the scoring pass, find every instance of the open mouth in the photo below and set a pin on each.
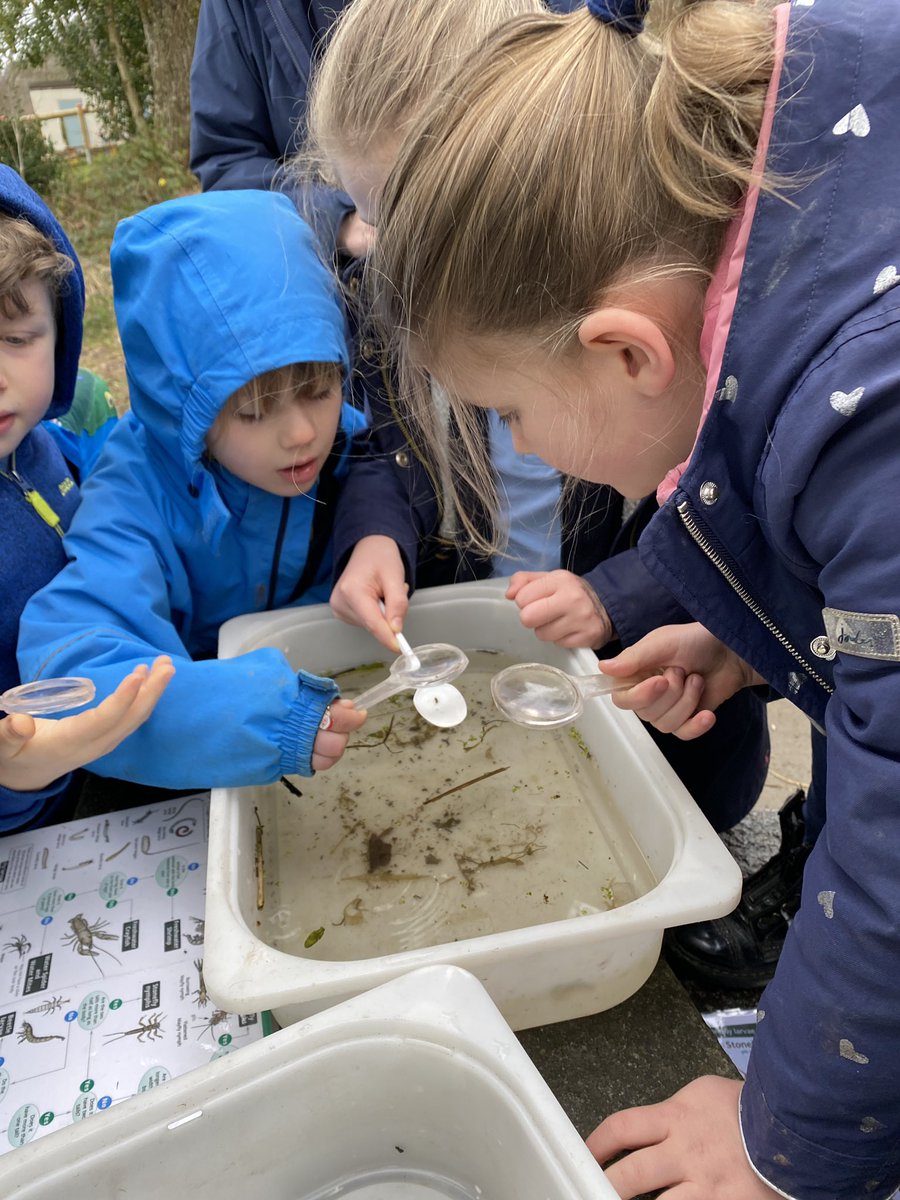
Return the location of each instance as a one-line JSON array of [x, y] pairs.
[[300, 472]]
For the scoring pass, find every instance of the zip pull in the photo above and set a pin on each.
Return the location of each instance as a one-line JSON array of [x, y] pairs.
[[43, 509], [41, 506]]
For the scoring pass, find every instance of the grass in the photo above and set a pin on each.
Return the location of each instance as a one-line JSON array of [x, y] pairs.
[[89, 201]]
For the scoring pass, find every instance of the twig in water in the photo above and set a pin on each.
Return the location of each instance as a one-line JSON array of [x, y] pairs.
[[459, 787]]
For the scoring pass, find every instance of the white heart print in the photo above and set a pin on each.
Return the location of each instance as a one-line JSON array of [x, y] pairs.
[[856, 121], [845, 403], [804, 3], [885, 280]]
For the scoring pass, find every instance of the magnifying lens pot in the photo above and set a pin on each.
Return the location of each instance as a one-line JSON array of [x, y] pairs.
[[48, 695], [537, 695], [437, 664]]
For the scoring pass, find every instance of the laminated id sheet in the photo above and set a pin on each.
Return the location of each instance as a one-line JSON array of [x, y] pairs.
[[102, 993]]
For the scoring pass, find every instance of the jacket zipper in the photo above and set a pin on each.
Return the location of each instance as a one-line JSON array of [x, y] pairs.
[[690, 523], [276, 554], [33, 497]]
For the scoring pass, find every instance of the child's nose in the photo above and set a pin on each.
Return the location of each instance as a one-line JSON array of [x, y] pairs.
[[297, 429]]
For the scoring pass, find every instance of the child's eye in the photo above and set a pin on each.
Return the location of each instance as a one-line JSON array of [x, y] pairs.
[[249, 417], [507, 418], [13, 339]]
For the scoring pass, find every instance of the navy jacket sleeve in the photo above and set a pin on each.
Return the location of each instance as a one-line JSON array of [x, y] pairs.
[[635, 601], [821, 1105]]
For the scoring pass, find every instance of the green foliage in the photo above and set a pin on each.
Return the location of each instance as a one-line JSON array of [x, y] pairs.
[[80, 34], [24, 148], [92, 198]]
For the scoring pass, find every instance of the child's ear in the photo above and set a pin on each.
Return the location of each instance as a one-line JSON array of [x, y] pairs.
[[632, 345]]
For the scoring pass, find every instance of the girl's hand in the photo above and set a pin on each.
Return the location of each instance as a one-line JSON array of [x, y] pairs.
[[689, 1147], [35, 752], [700, 672], [374, 573], [560, 607], [341, 718]]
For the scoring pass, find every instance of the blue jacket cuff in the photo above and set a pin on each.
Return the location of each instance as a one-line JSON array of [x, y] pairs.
[[302, 724], [18, 809]]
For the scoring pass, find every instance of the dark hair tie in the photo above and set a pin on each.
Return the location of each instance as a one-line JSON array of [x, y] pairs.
[[625, 15]]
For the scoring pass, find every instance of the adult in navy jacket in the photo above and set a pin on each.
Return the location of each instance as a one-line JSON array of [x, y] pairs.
[[252, 63]]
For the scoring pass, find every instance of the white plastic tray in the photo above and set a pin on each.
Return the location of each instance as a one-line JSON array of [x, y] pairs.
[[536, 975], [415, 1091]]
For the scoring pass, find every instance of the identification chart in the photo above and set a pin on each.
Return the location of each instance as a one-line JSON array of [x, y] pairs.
[[102, 993]]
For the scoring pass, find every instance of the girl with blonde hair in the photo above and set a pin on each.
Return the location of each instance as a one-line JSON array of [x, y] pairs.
[[694, 282], [399, 516]]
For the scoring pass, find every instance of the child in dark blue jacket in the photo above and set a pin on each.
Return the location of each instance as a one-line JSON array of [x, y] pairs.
[[696, 279], [214, 495], [41, 306]]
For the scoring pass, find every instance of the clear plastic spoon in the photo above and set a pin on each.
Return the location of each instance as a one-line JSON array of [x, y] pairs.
[[48, 695], [436, 664], [545, 697]]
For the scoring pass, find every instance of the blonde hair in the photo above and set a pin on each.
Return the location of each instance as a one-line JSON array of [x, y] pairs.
[[384, 60], [259, 395], [562, 159], [26, 253]]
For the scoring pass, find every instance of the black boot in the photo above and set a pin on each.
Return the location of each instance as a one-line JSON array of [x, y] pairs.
[[742, 949]]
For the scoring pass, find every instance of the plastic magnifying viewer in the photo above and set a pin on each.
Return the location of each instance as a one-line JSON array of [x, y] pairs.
[[545, 697], [436, 665], [48, 695]]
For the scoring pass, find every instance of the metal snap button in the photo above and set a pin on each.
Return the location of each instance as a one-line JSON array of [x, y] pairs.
[[368, 349], [401, 458], [709, 492], [821, 648]]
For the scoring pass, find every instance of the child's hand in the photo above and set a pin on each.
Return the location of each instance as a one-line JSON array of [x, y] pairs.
[[374, 573], [560, 607], [700, 674], [33, 753], [340, 719], [689, 1145]]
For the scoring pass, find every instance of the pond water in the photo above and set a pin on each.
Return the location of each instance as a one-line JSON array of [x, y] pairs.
[[421, 836]]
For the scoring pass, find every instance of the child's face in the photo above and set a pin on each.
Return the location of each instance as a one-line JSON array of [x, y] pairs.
[[283, 450], [573, 415], [363, 179], [27, 366]]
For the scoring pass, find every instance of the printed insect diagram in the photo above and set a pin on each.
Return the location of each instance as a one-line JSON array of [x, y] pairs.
[[101, 965]]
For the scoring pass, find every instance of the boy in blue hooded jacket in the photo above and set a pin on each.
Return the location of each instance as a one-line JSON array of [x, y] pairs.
[[213, 496], [41, 308]]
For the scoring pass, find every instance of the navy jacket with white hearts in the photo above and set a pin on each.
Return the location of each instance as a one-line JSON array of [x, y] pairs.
[[782, 537]]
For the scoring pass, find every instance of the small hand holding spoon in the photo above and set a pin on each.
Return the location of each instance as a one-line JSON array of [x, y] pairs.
[[545, 697], [48, 695]]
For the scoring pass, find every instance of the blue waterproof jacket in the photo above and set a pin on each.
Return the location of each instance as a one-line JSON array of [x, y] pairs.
[[31, 551], [210, 291], [783, 539]]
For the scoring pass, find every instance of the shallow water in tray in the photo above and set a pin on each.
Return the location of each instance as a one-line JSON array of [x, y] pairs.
[[420, 836], [392, 1185]]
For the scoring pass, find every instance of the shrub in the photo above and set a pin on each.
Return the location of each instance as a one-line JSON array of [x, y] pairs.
[[24, 148]]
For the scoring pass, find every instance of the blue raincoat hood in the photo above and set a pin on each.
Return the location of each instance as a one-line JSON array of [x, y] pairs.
[[18, 200], [210, 291]]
